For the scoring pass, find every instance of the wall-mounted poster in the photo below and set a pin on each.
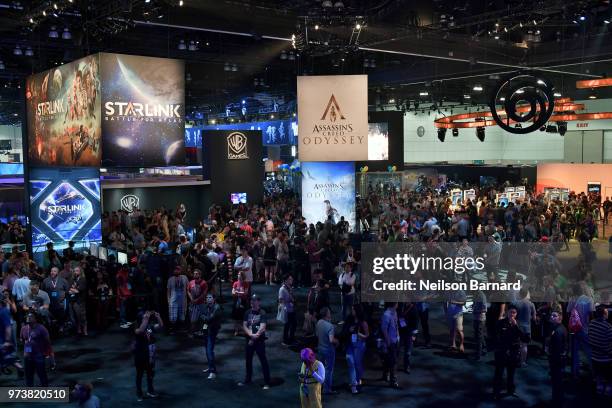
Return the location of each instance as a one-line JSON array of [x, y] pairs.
[[333, 115], [63, 115], [64, 206], [328, 192], [143, 111]]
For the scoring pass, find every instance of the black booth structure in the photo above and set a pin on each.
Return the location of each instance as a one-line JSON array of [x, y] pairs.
[[235, 164]]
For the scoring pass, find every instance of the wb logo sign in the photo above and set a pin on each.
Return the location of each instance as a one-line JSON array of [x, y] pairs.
[[130, 203], [237, 146]]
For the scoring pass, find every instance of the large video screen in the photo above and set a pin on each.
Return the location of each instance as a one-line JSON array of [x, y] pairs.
[[63, 115], [11, 149], [273, 132], [65, 206], [143, 111], [378, 141], [328, 190]]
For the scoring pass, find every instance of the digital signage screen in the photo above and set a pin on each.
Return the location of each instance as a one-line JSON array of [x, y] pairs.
[[328, 192], [273, 132], [64, 206], [238, 198], [63, 115], [143, 111], [378, 141]]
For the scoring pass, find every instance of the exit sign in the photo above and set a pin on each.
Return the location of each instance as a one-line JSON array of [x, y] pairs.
[[582, 125]]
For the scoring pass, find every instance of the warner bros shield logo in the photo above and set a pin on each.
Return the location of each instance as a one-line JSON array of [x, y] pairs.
[[130, 203], [237, 146]]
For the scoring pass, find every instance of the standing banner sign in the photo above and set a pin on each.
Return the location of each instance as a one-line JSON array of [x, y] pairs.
[[333, 116]]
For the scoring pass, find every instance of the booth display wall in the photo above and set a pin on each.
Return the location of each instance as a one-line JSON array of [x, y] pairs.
[[11, 144], [472, 174], [575, 176], [197, 199], [239, 175], [13, 202]]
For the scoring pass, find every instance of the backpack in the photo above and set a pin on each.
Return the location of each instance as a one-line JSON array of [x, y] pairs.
[[575, 324]]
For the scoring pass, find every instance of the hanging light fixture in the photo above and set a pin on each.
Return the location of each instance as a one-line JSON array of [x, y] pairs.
[[66, 35], [339, 5], [193, 46], [234, 68], [29, 52], [182, 46], [227, 67], [53, 32], [283, 55], [327, 4], [17, 51], [2, 66], [291, 56]]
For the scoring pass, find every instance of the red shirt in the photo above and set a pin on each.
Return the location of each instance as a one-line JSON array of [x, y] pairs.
[[198, 289]]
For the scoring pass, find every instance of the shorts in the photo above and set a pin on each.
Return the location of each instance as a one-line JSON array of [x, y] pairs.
[[176, 311]]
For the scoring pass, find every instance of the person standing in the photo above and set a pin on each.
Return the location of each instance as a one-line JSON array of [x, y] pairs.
[[507, 353], [36, 346], [211, 318], [526, 314], [557, 356], [326, 347], [177, 298], [389, 327], [196, 291], [357, 332], [56, 287], [600, 340], [254, 327], [408, 319], [244, 263], [312, 375], [269, 259], [78, 301], [346, 281], [286, 301], [145, 351]]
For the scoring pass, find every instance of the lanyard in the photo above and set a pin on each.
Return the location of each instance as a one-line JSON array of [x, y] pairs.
[[54, 283]]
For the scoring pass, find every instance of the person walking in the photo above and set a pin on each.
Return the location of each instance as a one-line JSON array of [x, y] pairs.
[[327, 348], [196, 291], [286, 304], [557, 356], [357, 332], [508, 352], [389, 327], [177, 298], [144, 349], [346, 281], [211, 318], [254, 327], [408, 319], [312, 375], [36, 345]]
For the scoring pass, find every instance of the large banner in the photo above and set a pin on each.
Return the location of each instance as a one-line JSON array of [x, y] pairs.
[[274, 132], [328, 190], [63, 115], [64, 206], [143, 111], [333, 115]]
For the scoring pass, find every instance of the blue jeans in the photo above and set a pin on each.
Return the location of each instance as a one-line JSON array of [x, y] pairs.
[[210, 341], [347, 304], [328, 358], [579, 341], [354, 359]]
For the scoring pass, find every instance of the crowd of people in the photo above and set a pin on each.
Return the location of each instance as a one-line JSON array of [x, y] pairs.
[[177, 278]]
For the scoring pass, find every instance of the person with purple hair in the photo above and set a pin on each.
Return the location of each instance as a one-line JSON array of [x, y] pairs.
[[312, 375]]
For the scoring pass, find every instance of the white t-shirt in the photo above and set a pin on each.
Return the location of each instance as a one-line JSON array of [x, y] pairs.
[[245, 265]]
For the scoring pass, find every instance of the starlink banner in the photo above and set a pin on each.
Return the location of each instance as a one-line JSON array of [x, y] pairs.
[[333, 115], [64, 206], [328, 192], [63, 115], [143, 108]]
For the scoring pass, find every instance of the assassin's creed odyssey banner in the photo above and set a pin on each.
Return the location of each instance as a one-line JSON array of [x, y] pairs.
[[63, 115], [143, 111]]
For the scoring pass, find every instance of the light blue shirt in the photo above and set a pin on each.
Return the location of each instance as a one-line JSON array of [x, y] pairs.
[[21, 287]]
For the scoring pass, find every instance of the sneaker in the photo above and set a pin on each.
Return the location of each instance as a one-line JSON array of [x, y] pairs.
[[265, 387], [152, 395], [139, 398], [212, 376], [124, 325], [206, 370], [242, 383]]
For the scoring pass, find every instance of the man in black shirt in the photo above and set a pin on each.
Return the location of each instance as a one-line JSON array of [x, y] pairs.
[[557, 351], [144, 351], [254, 327], [507, 353], [77, 295]]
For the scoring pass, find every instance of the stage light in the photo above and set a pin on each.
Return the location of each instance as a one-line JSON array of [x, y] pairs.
[[234, 68], [607, 21], [291, 56], [182, 46], [441, 134], [582, 18], [505, 29], [539, 81], [17, 51], [338, 5], [496, 37], [316, 27], [592, 95], [53, 32], [520, 91], [243, 101], [55, 6], [424, 93], [283, 55], [213, 121], [535, 22], [392, 100], [227, 67], [327, 4], [562, 127], [480, 133], [66, 35], [272, 116], [467, 96], [557, 94], [181, 3], [31, 20], [294, 114], [357, 26], [2, 66], [192, 46], [455, 132], [29, 52], [477, 88], [44, 13]]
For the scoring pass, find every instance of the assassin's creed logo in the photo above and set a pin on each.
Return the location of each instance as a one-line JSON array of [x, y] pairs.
[[237, 146]]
